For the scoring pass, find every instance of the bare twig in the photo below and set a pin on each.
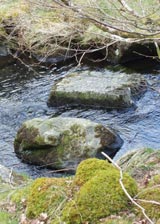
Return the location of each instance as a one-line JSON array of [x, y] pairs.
[[128, 8], [148, 201], [10, 178]]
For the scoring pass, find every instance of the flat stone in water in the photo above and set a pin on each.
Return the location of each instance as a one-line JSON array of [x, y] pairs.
[[96, 89]]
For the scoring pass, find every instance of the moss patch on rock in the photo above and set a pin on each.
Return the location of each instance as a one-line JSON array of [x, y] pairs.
[[105, 89], [63, 142]]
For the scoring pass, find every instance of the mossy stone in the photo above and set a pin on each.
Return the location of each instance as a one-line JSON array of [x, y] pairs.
[[99, 197], [63, 142]]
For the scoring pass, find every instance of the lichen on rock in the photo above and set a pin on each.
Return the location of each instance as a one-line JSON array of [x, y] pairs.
[[96, 89], [64, 142]]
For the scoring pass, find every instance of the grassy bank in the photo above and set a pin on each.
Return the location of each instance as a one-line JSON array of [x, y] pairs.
[[94, 195], [57, 28]]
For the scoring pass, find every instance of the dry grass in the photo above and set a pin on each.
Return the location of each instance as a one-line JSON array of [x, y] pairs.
[[46, 27]]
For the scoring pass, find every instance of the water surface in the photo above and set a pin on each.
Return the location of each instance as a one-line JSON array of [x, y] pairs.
[[24, 93]]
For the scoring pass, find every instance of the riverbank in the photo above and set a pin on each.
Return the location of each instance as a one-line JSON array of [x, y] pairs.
[[114, 33], [89, 196]]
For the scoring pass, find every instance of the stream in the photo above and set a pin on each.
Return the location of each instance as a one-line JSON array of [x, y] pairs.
[[24, 93]]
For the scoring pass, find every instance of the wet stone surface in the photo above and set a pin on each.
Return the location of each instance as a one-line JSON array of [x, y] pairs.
[[102, 89], [63, 142]]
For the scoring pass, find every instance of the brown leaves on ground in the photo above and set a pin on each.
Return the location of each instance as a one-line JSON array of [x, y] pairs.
[[42, 219]]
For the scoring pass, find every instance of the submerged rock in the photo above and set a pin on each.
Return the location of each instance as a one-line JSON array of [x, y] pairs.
[[63, 142], [96, 89]]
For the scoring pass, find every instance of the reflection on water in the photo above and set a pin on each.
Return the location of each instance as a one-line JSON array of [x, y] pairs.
[[24, 93]]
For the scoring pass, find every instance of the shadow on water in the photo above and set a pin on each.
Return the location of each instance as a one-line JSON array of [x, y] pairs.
[[24, 93]]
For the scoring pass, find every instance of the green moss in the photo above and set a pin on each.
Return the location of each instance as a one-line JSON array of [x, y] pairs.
[[42, 156], [99, 197], [21, 194], [97, 35], [46, 195], [155, 180], [26, 138], [89, 168], [13, 9], [6, 218], [105, 135], [70, 141]]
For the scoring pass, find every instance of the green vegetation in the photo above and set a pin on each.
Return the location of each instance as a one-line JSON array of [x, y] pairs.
[[151, 194], [99, 197], [89, 168], [140, 164], [155, 180], [46, 195], [94, 196], [43, 195], [5, 218]]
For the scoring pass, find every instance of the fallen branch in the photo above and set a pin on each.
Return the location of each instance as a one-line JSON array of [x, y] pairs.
[[124, 189]]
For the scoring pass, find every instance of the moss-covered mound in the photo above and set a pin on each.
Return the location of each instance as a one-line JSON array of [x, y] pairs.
[[100, 196], [42, 196], [93, 196], [46, 195], [89, 168]]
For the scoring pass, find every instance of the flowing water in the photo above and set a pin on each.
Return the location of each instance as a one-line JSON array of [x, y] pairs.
[[24, 93]]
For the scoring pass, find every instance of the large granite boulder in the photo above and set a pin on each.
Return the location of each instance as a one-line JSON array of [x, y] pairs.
[[97, 89], [63, 142]]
